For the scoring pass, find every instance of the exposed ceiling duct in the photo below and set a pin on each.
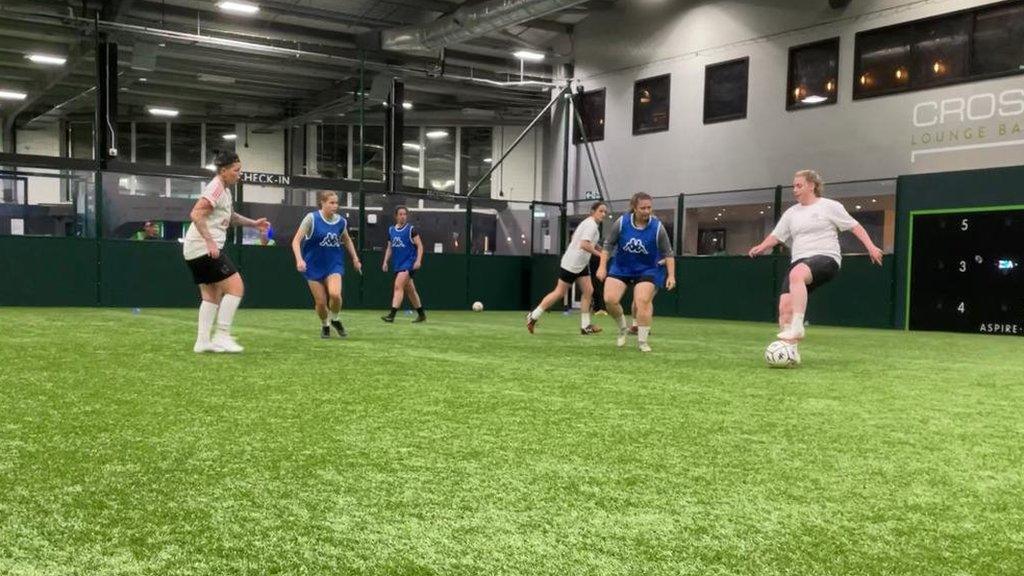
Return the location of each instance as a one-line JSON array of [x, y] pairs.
[[469, 22]]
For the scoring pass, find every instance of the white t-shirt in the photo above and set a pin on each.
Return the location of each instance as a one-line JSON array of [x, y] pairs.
[[575, 258], [217, 222], [813, 230]]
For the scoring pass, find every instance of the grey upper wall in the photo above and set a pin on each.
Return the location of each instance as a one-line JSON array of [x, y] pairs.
[[861, 139]]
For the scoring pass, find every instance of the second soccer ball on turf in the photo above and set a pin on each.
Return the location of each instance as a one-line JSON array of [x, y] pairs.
[[781, 354], [478, 306]]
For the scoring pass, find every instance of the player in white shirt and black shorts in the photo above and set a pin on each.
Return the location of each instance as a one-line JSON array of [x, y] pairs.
[[811, 229], [220, 284], [575, 268]]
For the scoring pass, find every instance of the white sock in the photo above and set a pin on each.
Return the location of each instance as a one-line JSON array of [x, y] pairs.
[[642, 332], [324, 321], [537, 313], [207, 315], [228, 306], [584, 319], [634, 322], [798, 320], [335, 315], [621, 320]]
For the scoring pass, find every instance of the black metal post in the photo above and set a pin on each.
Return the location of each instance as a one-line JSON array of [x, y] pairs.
[[563, 221]]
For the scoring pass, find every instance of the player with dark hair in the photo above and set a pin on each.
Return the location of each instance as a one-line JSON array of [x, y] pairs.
[[811, 228], [318, 256], [576, 268], [636, 245], [405, 255], [220, 284]]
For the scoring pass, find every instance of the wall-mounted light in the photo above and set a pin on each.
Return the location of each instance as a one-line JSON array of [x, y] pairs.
[[939, 67], [902, 75]]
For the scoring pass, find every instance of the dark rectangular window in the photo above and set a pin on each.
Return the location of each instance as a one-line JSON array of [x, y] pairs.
[[332, 151], [439, 159], [80, 140], [151, 142], [186, 145], [725, 91], [591, 108], [949, 49], [411, 156], [941, 51], [477, 150], [651, 104], [883, 61], [997, 46], [813, 74], [124, 141], [371, 165], [219, 138]]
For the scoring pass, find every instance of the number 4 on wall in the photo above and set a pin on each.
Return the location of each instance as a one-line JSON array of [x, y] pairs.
[[960, 308]]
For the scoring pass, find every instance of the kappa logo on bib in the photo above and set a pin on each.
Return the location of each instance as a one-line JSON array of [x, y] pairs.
[[635, 246], [396, 242], [330, 241]]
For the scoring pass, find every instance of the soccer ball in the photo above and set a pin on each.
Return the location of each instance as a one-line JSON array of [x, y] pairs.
[[478, 306], [781, 354]]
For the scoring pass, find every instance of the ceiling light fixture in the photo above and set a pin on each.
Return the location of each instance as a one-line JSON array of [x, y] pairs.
[[437, 134], [171, 113], [529, 55], [11, 95], [230, 136], [407, 105], [46, 59], [238, 7]]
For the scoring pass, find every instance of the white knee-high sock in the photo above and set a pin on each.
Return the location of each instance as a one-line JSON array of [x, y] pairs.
[[228, 306], [584, 319], [207, 315]]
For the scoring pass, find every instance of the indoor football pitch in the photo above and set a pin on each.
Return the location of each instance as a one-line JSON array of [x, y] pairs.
[[467, 446]]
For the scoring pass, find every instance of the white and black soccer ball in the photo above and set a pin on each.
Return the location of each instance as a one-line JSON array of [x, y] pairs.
[[478, 306], [781, 354]]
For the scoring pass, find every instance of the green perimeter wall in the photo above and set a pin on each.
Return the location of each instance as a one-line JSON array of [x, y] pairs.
[[43, 271], [122, 273]]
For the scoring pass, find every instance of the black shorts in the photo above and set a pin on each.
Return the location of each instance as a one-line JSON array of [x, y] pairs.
[[411, 271], [570, 277], [823, 269], [207, 270], [634, 280]]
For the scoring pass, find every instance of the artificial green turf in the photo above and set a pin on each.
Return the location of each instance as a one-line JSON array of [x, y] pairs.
[[467, 446]]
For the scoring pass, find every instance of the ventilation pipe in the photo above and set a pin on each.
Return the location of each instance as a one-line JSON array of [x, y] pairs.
[[469, 22]]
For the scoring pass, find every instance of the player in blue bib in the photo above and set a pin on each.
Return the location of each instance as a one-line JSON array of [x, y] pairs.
[[405, 255], [317, 247], [637, 244]]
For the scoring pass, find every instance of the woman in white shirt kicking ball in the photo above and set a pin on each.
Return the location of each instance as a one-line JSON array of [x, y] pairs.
[[811, 229]]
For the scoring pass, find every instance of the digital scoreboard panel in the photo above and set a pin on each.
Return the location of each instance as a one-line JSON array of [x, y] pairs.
[[967, 271]]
